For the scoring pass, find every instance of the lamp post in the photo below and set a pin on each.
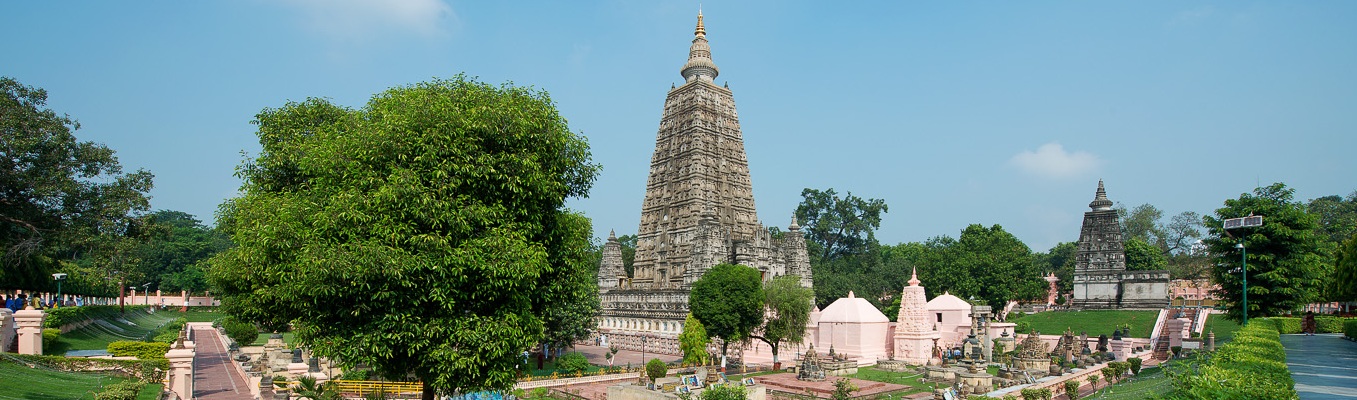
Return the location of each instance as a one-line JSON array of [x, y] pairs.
[[1244, 270], [59, 277], [146, 294]]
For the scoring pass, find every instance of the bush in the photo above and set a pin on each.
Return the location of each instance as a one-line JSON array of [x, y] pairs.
[[1250, 366], [148, 371], [1323, 324], [724, 392], [1072, 389], [1134, 362], [356, 375], [125, 390], [140, 350], [1036, 394], [1022, 327], [49, 337], [1350, 328], [244, 333], [572, 362], [656, 369], [58, 317]]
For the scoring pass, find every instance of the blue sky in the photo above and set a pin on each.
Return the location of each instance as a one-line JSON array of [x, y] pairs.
[[953, 112]]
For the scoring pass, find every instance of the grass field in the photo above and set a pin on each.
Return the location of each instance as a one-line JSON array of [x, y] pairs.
[[1151, 383], [263, 339], [1095, 323], [22, 382], [1223, 327], [908, 378], [97, 336]]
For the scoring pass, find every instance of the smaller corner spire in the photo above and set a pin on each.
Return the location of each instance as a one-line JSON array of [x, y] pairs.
[[794, 226], [700, 31], [1100, 201], [612, 234], [914, 277]]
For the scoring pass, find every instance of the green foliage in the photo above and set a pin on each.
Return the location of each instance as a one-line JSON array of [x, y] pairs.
[[987, 263], [838, 227], [1093, 381], [1023, 327], [1072, 389], [1343, 283], [788, 305], [843, 389], [424, 234], [728, 300], [149, 371], [62, 316], [140, 350], [307, 388], [50, 337], [1142, 256], [1252, 366], [1036, 394], [693, 342], [1134, 363], [1094, 322], [572, 362], [656, 369], [356, 374], [725, 392], [1323, 324], [628, 243], [1285, 259], [62, 197], [1060, 260], [125, 390], [243, 333], [1350, 328]]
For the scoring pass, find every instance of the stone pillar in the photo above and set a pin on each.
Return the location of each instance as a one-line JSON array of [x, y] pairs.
[[1175, 331], [1211, 341], [7, 333], [1119, 348], [181, 371], [30, 330]]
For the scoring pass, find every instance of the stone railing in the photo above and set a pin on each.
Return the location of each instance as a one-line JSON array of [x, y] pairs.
[[537, 382]]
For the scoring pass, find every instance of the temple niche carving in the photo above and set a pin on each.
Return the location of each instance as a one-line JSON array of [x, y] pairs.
[[698, 211], [1101, 280]]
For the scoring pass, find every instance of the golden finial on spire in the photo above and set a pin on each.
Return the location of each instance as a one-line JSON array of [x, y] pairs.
[[700, 31]]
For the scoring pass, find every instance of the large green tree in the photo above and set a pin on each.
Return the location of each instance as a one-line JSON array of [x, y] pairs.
[[1343, 284], [728, 300], [788, 305], [1060, 260], [424, 234], [693, 341], [1285, 261], [1142, 256], [174, 245], [986, 263], [838, 227], [60, 198]]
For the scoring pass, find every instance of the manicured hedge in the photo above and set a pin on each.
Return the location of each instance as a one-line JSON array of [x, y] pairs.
[[1252, 366], [57, 317], [149, 371], [1350, 328], [140, 350], [1323, 324]]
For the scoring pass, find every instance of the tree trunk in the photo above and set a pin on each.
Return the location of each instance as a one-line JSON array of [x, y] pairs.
[[428, 392]]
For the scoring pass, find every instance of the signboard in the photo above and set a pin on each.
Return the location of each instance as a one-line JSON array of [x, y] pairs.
[[1244, 222]]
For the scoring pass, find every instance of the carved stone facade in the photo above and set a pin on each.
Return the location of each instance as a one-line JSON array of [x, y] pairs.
[[1100, 276], [698, 211], [611, 270], [914, 333]]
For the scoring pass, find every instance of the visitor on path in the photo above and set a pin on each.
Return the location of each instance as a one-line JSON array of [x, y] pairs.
[[1307, 324]]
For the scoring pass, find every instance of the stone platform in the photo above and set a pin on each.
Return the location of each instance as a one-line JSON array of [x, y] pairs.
[[789, 383]]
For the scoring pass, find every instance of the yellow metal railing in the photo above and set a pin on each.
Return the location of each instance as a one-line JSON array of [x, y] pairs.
[[365, 387]]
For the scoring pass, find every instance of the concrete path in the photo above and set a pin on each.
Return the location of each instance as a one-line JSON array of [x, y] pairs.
[[215, 377], [1324, 366]]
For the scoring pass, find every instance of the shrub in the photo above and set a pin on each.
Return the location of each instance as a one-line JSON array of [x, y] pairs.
[[843, 389], [57, 317], [656, 369], [1250, 366], [356, 375], [49, 337], [1036, 394], [244, 333], [1022, 327], [724, 392], [166, 337], [1072, 389], [1135, 365], [1323, 324], [125, 390], [1350, 328], [572, 362], [140, 350]]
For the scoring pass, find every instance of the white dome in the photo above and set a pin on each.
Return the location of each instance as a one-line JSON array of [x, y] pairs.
[[852, 309], [947, 302]]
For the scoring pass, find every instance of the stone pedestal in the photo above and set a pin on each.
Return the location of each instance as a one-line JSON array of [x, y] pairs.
[[29, 322], [1120, 349], [1175, 329], [1211, 341], [297, 369], [7, 333], [181, 372]]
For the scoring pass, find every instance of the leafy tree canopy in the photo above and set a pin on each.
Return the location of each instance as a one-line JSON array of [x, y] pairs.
[[1285, 262], [788, 305], [728, 300], [693, 341], [59, 197], [838, 227], [1142, 256], [423, 235]]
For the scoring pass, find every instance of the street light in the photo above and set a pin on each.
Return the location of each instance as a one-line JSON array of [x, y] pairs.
[[59, 277], [1244, 268], [146, 294]]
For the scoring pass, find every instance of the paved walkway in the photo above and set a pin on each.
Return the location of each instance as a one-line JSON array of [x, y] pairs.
[[214, 375], [1324, 366]]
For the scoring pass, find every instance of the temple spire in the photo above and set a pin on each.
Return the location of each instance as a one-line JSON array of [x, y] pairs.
[[1100, 201], [700, 64], [914, 277]]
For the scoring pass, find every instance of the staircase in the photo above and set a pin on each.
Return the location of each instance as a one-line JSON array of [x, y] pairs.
[[1161, 346]]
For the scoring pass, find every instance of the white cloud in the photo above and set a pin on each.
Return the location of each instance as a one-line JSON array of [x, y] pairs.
[[363, 19], [1052, 161]]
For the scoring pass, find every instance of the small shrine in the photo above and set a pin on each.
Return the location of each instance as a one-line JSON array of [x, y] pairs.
[[810, 369]]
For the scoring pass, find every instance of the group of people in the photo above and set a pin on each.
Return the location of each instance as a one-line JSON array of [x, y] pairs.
[[16, 302]]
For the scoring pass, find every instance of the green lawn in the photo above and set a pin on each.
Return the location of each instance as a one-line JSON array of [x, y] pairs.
[[97, 337], [1224, 328], [1151, 383], [151, 392], [197, 315], [907, 378], [1097, 322], [263, 339], [22, 382]]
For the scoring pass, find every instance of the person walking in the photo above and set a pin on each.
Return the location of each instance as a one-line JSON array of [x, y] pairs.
[[1307, 324]]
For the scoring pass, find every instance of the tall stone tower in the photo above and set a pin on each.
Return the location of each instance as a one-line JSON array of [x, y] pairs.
[[1100, 276], [914, 334], [698, 212]]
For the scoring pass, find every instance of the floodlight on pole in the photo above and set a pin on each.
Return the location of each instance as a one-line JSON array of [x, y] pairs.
[[1244, 269]]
